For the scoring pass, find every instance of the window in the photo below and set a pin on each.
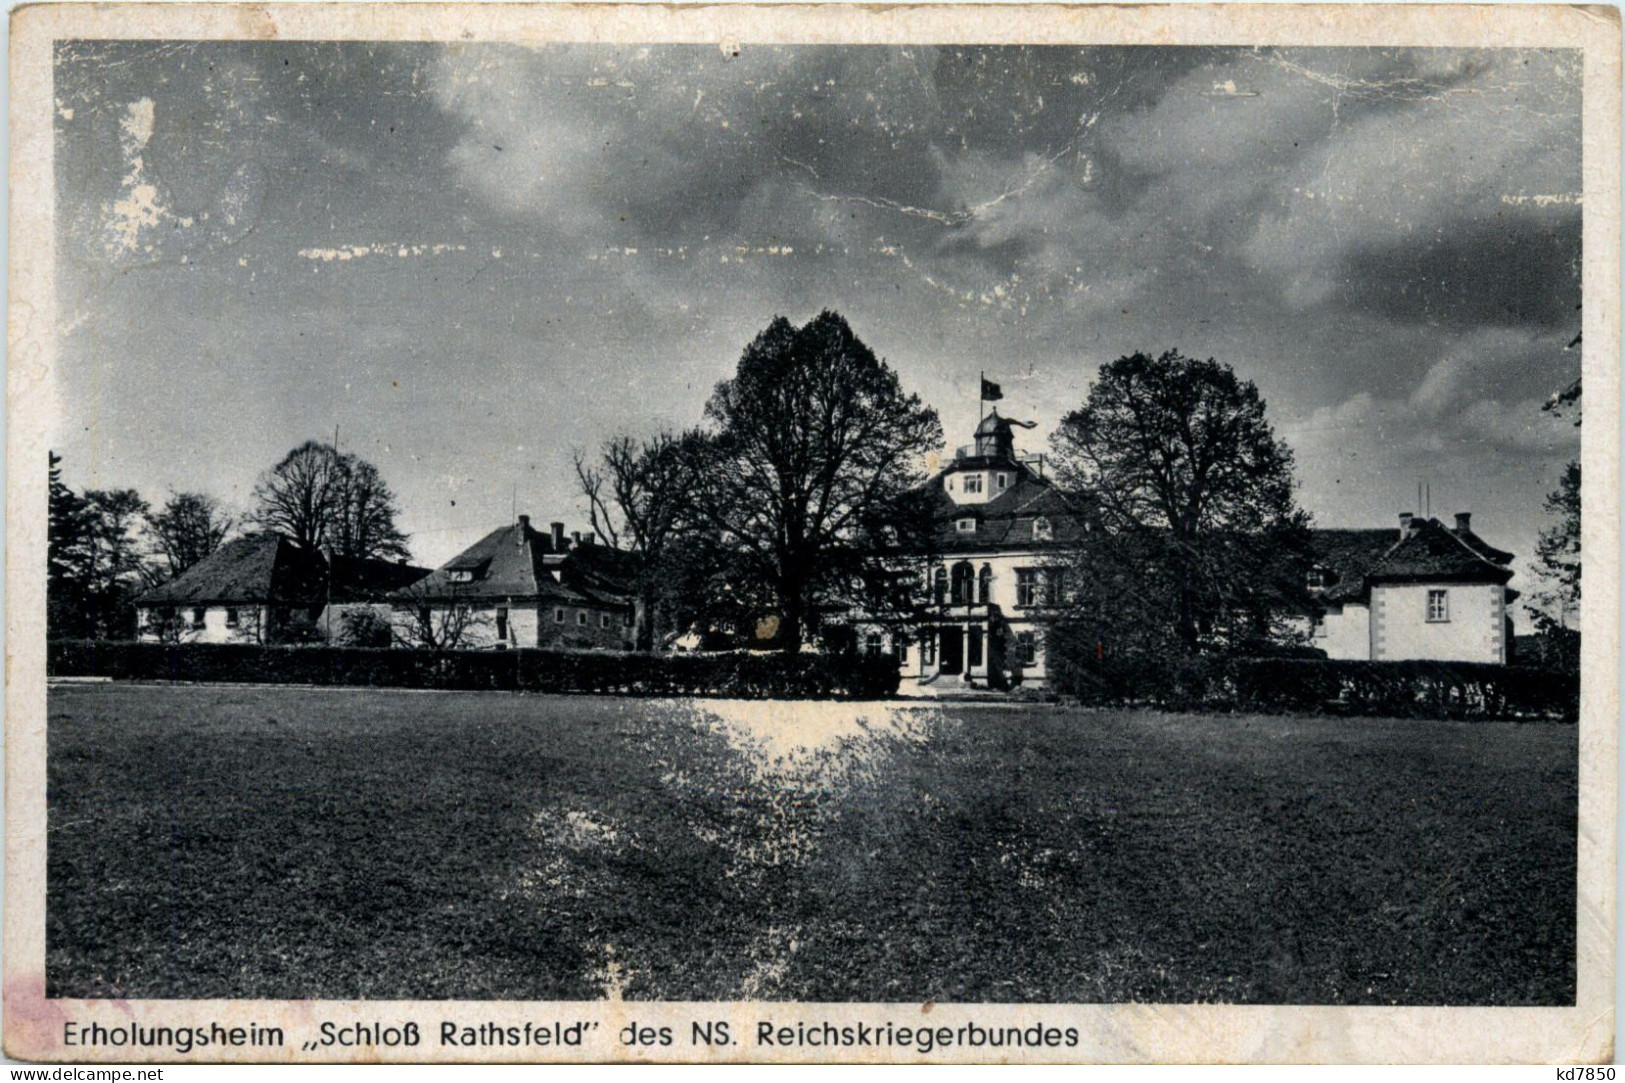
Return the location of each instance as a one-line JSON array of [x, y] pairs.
[[1027, 648], [1438, 605], [558, 615], [626, 619], [581, 616], [502, 622], [939, 585], [973, 483], [1320, 626], [603, 620], [966, 526], [984, 590], [928, 647], [1054, 586], [902, 652], [231, 616], [1026, 586], [1317, 578], [1041, 529], [197, 618], [975, 657], [460, 575], [1004, 482], [871, 644], [964, 584]]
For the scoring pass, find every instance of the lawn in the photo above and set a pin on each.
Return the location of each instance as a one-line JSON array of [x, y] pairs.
[[256, 842]]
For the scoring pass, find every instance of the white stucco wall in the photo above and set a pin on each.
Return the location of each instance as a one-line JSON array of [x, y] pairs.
[[1474, 632], [250, 619], [954, 484], [1346, 633]]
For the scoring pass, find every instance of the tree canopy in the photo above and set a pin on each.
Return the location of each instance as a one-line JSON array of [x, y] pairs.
[[325, 498], [811, 435], [1189, 485], [188, 528]]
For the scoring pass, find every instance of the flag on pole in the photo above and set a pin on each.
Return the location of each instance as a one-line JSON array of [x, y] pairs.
[[991, 391]]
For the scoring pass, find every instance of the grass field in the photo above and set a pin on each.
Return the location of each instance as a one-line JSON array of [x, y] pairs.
[[255, 842]]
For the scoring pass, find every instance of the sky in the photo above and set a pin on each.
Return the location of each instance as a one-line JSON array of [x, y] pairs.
[[471, 260]]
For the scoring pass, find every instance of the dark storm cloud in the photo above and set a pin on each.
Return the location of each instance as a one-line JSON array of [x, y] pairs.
[[1504, 271], [472, 258]]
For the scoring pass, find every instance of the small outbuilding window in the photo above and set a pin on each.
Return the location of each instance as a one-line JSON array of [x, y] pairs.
[[197, 617], [871, 644], [558, 615], [231, 616], [1438, 605], [581, 616], [603, 620]]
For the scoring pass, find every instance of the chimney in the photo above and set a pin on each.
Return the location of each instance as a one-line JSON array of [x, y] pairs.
[[1464, 522], [558, 536], [1404, 524], [524, 522], [575, 539]]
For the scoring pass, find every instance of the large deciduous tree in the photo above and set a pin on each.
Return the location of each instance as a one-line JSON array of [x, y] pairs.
[[187, 529], [325, 498], [641, 498], [1190, 486], [811, 435]]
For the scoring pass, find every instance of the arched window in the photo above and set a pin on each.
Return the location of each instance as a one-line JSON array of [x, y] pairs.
[[939, 585], [984, 589], [964, 583]]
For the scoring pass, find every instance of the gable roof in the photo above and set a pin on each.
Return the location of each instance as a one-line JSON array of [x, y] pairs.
[[518, 562], [1429, 552], [269, 569]]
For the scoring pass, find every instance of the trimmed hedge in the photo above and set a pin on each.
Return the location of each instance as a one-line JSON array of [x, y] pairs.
[[1413, 689], [741, 675]]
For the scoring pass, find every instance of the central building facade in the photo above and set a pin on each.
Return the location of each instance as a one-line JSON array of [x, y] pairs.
[[994, 576]]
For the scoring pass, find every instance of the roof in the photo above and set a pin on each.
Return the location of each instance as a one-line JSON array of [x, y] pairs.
[[1429, 552], [1007, 520], [518, 562], [269, 568], [1346, 556], [357, 580]]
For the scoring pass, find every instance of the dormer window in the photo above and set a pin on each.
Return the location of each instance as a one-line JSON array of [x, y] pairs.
[[966, 526], [461, 575], [1041, 530], [1317, 578]]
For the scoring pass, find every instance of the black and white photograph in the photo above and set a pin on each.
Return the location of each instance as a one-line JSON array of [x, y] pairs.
[[603, 522]]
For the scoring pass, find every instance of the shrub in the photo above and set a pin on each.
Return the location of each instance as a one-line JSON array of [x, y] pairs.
[[741, 675], [1412, 689], [364, 628]]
